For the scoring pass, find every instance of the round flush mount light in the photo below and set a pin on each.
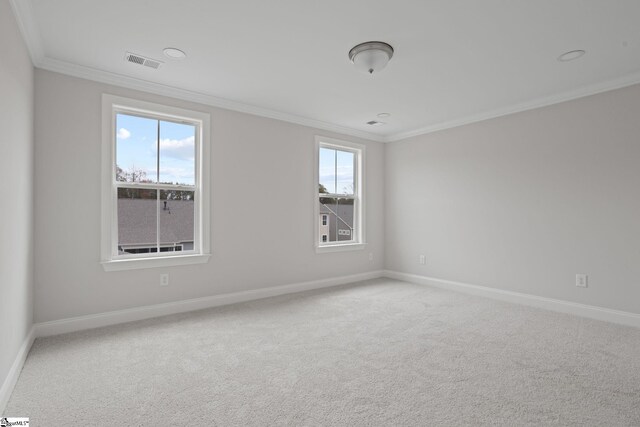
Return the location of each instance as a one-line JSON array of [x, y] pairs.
[[383, 115], [571, 55], [370, 57], [173, 53]]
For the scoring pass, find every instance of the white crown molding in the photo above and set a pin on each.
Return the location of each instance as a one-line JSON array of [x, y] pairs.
[[561, 306], [201, 98], [23, 10], [160, 89], [570, 95]]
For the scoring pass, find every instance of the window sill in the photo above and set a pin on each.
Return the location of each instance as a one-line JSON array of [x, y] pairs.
[[340, 248], [138, 263]]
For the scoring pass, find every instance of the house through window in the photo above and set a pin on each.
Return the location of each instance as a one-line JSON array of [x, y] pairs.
[[339, 193]]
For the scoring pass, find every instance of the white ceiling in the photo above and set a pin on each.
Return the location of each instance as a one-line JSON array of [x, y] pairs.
[[456, 61]]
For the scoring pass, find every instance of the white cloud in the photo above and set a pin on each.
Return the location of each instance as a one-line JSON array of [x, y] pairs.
[[176, 175], [123, 133], [181, 149]]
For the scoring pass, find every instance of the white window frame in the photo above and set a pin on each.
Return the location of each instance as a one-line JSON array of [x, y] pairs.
[[110, 259], [358, 242]]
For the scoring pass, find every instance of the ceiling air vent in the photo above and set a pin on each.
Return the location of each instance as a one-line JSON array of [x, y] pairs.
[[375, 123], [141, 60]]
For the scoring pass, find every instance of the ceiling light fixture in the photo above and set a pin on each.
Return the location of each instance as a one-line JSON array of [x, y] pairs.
[[173, 53], [371, 57], [571, 55], [384, 115]]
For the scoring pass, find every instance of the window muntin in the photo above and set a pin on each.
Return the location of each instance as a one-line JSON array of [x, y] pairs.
[[168, 162], [339, 193]]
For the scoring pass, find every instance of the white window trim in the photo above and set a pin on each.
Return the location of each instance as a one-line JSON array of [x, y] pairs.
[[109, 228], [359, 149]]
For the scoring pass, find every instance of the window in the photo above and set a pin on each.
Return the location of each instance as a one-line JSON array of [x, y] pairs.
[[339, 184], [155, 204]]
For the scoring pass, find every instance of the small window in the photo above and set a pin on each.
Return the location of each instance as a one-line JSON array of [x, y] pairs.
[[155, 204], [339, 182]]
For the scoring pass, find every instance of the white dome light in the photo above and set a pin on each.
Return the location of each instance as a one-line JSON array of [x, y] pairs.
[[371, 57]]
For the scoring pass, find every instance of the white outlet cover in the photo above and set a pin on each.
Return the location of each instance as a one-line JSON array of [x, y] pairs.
[[582, 280], [164, 280]]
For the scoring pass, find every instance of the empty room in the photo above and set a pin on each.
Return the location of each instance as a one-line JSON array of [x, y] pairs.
[[320, 213]]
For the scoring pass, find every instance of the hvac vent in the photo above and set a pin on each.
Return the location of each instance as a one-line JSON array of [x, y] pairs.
[[141, 60], [375, 123]]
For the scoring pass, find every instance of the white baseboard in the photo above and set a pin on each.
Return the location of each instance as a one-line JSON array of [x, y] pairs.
[[73, 324], [590, 311], [16, 368]]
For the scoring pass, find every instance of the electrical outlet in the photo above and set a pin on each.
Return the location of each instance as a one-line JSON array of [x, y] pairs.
[[370, 256], [422, 259], [164, 280], [581, 280]]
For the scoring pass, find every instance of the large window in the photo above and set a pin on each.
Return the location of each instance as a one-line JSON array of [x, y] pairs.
[[155, 206], [339, 182]]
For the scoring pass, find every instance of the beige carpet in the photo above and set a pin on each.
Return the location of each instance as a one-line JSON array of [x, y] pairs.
[[377, 353]]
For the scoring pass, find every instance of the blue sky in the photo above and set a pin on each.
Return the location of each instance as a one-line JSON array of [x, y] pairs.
[[137, 147], [137, 138], [336, 171]]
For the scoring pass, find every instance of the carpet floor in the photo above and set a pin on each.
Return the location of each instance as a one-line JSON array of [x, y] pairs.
[[380, 352]]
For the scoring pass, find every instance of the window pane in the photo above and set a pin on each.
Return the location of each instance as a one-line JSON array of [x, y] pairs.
[[345, 172], [136, 148], [336, 219], [137, 220], [177, 153], [176, 220], [327, 170]]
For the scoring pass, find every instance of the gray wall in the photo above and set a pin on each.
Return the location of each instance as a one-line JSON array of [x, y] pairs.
[[258, 165], [524, 202], [16, 205]]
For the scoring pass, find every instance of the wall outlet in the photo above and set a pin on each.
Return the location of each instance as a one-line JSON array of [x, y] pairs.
[[164, 280], [581, 280], [370, 256], [422, 259]]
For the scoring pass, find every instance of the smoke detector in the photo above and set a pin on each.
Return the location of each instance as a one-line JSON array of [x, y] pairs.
[[174, 53], [142, 60], [571, 55]]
